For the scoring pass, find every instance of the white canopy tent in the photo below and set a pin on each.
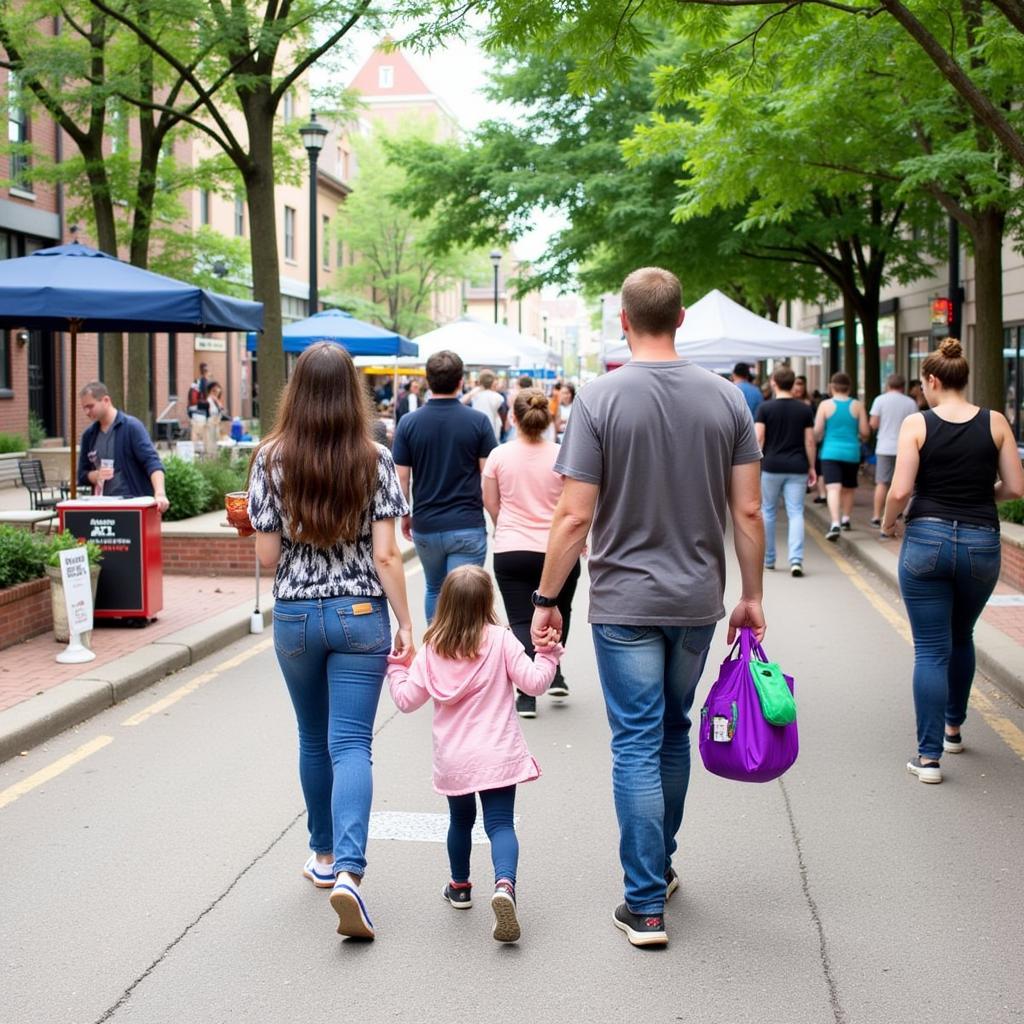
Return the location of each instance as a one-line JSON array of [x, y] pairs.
[[718, 333]]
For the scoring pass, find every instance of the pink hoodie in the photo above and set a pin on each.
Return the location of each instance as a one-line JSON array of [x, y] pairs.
[[477, 740]]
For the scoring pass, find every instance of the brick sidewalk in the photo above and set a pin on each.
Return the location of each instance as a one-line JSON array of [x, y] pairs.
[[29, 668], [1007, 619]]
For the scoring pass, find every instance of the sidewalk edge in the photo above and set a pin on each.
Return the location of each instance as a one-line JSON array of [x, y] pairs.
[[998, 656], [40, 718]]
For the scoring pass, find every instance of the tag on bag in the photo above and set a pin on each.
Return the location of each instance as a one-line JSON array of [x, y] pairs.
[[721, 729]]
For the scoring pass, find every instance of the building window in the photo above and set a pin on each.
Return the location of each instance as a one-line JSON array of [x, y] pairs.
[[172, 367], [293, 309], [1013, 354], [204, 207], [288, 107], [239, 216], [918, 347], [5, 364], [340, 254], [325, 243], [17, 133], [386, 76], [289, 233]]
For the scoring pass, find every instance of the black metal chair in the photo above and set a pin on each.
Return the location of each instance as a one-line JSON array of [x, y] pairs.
[[33, 479]]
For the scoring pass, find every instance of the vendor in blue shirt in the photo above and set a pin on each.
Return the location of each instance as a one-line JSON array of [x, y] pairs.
[[443, 446], [751, 392], [122, 440]]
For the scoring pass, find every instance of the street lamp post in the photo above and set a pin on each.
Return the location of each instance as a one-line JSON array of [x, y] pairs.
[[496, 261], [313, 136]]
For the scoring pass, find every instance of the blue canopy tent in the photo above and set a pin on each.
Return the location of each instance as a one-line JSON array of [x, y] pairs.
[[359, 338], [77, 289]]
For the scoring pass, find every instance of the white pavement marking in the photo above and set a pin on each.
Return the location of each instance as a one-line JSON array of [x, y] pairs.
[[414, 827], [1006, 601], [1010, 733], [11, 793]]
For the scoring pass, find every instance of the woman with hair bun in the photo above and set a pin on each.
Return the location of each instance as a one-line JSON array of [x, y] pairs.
[[521, 490], [956, 460]]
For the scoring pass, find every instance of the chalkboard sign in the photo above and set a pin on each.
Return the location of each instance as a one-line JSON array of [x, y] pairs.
[[118, 531]]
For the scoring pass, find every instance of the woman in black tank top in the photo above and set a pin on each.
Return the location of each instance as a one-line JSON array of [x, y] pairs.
[[954, 462]]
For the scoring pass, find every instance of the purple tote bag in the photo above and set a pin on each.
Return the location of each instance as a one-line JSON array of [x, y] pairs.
[[735, 740]]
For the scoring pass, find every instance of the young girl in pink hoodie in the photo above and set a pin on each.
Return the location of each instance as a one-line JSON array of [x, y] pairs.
[[470, 666]]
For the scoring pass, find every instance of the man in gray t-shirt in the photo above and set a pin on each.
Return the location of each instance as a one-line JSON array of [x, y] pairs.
[[653, 455]]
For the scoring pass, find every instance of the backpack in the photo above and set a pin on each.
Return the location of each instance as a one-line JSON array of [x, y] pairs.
[[195, 396]]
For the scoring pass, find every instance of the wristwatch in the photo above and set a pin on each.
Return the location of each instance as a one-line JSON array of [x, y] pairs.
[[539, 601]]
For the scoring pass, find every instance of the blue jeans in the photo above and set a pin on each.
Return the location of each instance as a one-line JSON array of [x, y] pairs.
[[649, 675], [499, 822], [333, 655], [443, 551], [947, 573], [792, 487]]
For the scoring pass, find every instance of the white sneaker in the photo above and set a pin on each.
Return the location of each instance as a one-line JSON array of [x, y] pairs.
[[313, 870], [353, 919], [796, 569], [953, 744], [925, 772]]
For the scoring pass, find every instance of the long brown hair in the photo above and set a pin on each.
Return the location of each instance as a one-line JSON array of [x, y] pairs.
[[465, 608], [320, 458]]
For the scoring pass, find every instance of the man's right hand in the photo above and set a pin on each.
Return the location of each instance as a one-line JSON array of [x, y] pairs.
[[750, 614]]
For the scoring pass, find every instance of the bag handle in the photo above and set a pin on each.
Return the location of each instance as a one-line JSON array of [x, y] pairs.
[[748, 646]]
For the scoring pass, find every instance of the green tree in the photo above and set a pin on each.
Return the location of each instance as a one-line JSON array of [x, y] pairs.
[[394, 272]]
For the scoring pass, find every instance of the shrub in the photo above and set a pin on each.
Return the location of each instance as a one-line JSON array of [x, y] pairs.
[[22, 555], [1012, 511], [187, 489], [36, 430], [222, 475], [12, 443], [65, 541]]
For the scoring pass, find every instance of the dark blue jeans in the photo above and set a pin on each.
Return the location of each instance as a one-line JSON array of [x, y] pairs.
[[499, 823], [441, 552], [333, 655], [649, 675], [948, 571]]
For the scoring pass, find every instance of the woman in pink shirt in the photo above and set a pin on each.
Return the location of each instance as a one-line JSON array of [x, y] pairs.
[[521, 490]]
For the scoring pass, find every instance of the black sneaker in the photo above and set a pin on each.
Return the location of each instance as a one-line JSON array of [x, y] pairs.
[[833, 533], [671, 882], [526, 706], [640, 929], [796, 569], [820, 501], [847, 525], [875, 521], [559, 687], [503, 903], [926, 771], [459, 894], [953, 743]]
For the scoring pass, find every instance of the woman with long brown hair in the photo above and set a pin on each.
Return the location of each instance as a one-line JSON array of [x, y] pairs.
[[521, 490], [957, 460], [323, 498]]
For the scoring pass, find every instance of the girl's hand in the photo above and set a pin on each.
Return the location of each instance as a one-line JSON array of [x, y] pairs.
[[403, 649], [550, 639]]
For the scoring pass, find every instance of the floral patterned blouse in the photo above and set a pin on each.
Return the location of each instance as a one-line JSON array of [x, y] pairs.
[[305, 572]]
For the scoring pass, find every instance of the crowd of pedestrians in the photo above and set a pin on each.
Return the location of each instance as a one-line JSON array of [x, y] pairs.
[[558, 477]]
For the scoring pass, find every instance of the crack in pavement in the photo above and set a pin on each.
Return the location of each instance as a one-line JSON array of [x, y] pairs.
[[838, 1013], [166, 951]]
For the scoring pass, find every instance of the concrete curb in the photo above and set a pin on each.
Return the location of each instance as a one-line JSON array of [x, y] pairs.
[[44, 716], [999, 657]]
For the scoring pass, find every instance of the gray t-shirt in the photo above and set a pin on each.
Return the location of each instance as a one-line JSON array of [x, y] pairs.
[[114, 487], [660, 440], [891, 408]]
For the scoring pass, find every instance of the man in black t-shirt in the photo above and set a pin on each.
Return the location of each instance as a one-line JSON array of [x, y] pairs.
[[443, 447], [785, 431]]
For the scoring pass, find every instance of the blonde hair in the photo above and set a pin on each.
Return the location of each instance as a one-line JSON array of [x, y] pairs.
[[465, 608], [948, 364], [533, 415]]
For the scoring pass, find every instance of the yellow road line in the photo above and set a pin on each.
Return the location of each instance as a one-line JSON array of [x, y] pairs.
[[200, 680], [1010, 733], [9, 795]]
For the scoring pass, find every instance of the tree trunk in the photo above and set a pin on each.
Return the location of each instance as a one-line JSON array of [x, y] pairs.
[[106, 239], [850, 341], [266, 281], [872, 359], [987, 388], [138, 397]]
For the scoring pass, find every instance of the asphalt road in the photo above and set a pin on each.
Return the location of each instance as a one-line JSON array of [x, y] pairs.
[[156, 878]]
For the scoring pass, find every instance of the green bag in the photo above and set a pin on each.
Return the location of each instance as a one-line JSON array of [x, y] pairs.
[[777, 703]]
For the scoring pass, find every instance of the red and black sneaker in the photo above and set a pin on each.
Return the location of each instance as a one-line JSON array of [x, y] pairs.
[[503, 903], [640, 929], [671, 882], [459, 894]]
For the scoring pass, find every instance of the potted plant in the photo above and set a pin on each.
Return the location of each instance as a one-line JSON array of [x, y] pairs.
[[62, 542]]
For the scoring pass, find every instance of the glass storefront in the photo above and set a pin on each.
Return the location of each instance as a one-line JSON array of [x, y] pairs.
[[918, 347], [1013, 378]]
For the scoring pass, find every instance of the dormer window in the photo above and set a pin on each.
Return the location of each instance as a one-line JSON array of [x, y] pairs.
[[386, 76]]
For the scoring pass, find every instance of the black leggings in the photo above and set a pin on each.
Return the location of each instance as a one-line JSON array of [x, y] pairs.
[[518, 576]]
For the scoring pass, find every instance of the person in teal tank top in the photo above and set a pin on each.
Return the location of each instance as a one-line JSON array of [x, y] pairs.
[[840, 426]]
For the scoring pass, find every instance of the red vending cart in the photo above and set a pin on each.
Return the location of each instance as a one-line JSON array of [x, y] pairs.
[[131, 583]]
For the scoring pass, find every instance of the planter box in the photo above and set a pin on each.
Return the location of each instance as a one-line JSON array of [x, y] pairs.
[[25, 612]]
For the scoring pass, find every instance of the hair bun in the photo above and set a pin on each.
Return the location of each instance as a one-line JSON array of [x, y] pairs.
[[538, 402], [951, 348]]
